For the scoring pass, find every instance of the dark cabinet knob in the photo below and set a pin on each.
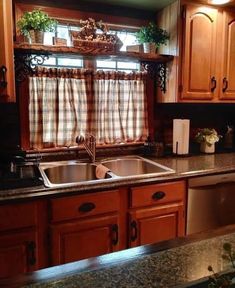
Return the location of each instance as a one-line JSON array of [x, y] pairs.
[[134, 231], [115, 234], [31, 248], [158, 195], [86, 207], [225, 84], [213, 83]]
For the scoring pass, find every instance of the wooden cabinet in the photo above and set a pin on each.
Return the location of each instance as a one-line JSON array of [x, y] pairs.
[[18, 253], [22, 238], [84, 226], [199, 61], [202, 37], [157, 213], [7, 93], [227, 90]]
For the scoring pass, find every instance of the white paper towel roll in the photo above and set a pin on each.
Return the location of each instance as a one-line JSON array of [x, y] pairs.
[[181, 136]]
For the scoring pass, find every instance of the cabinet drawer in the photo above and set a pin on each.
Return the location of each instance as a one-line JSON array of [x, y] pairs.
[[15, 216], [157, 194], [84, 205]]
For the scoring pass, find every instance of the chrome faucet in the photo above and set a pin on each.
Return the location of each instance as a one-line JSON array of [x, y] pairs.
[[89, 142]]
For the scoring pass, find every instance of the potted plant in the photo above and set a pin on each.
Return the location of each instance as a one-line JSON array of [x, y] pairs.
[[207, 138], [34, 24], [152, 37]]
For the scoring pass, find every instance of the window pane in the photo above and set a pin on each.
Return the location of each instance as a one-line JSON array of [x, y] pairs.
[[105, 64], [70, 62], [127, 39], [48, 38], [50, 62], [63, 32], [128, 65]]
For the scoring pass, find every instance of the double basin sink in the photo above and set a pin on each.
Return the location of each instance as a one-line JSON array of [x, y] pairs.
[[67, 173]]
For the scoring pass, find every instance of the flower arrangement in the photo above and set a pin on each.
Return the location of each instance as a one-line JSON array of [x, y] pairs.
[[207, 135], [89, 29], [88, 39], [152, 33], [35, 20]]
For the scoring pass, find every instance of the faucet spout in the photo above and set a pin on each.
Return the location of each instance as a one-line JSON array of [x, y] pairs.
[[89, 143]]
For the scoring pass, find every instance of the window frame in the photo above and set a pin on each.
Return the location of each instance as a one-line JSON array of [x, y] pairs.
[[65, 16]]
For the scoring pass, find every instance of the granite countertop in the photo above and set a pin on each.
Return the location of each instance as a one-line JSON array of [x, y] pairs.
[[184, 167], [174, 263]]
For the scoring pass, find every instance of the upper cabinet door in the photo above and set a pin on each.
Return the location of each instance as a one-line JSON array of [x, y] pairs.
[[7, 92], [228, 54], [199, 79]]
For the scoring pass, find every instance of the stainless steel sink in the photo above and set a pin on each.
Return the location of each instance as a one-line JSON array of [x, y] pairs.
[[66, 173], [135, 165]]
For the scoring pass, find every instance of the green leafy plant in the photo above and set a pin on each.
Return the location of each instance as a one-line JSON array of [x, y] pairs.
[[152, 33], [223, 281], [36, 20], [210, 136]]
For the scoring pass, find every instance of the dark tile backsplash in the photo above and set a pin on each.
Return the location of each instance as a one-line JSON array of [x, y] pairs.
[[215, 115], [9, 127]]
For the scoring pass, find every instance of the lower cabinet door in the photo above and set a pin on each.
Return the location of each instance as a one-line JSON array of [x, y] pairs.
[[18, 253], [84, 238], [155, 224]]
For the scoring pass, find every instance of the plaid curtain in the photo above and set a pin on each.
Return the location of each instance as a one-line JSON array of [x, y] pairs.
[[65, 103], [57, 106], [120, 107]]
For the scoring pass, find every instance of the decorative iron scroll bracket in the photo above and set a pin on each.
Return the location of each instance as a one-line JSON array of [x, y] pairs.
[[25, 63], [3, 82], [157, 71]]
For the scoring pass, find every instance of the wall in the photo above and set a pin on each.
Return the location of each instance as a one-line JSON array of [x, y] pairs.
[[201, 116], [9, 127]]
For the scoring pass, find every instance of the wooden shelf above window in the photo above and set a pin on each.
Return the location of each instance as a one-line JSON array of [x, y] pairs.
[[126, 56], [28, 56]]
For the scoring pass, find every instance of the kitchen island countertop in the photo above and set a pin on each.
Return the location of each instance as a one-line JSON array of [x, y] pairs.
[[174, 263]]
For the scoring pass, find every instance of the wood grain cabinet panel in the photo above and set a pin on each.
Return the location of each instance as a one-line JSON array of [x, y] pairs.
[[199, 75], [80, 206], [227, 79], [23, 237], [18, 253], [156, 224], [7, 93], [84, 226], [157, 213], [86, 238]]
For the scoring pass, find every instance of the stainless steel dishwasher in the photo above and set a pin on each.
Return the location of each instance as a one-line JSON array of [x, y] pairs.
[[211, 202]]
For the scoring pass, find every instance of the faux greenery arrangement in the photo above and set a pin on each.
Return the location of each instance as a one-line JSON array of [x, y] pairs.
[[207, 135], [153, 34], [36, 20], [223, 281]]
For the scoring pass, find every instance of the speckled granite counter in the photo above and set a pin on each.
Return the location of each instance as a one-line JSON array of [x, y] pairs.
[[155, 265], [184, 166]]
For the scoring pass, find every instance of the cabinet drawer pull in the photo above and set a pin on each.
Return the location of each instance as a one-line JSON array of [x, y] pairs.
[[214, 83], [31, 247], [115, 234], [134, 231], [225, 84], [158, 195], [86, 207]]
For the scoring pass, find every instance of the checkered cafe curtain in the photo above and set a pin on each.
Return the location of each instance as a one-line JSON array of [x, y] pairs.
[[57, 106], [120, 108], [65, 103]]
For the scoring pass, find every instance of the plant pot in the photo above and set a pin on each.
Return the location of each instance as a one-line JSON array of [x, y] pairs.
[[149, 48], [205, 148], [36, 36]]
